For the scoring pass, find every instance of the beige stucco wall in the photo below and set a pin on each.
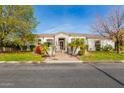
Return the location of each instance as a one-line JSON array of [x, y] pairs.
[[61, 35], [90, 42]]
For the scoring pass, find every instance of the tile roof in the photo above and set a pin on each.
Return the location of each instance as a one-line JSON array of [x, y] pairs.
[[45, 35], [89, 36]]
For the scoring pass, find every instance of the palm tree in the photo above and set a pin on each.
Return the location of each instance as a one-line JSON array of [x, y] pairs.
[[77, 43]]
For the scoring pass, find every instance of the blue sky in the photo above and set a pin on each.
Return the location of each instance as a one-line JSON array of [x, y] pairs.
[[67, 18]]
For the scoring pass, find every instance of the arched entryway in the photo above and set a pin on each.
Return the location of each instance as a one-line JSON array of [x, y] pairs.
[[61, 42]]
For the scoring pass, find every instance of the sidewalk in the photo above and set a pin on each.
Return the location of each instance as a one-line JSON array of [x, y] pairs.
[[62, 58]]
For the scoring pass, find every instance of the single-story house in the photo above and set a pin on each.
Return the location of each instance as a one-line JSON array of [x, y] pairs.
[[61, 40]]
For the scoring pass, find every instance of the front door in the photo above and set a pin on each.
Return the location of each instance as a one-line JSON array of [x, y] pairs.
[[62, 43]]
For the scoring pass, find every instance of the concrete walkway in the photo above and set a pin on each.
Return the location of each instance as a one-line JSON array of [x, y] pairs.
[[62, 58]]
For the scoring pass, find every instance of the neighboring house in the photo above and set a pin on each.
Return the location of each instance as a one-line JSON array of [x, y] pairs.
[[61, 40]]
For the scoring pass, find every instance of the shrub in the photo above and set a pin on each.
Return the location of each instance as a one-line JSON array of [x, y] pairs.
[[81, 52], [32, 47], [107, 47], [82, 49], [24, 47], [38, 49], [122, 48], [44, 48]]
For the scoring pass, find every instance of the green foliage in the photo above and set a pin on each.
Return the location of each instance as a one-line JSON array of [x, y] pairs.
[[103, 56], [122, 48], [81, 52], [82, 49], [16, 24], [107, 48], [44, 48], [32, 47], [48, 44], [20, 56], [78, 43]]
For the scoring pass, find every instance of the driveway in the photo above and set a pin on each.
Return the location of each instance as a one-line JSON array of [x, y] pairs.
[[61, 57], [61, 75]]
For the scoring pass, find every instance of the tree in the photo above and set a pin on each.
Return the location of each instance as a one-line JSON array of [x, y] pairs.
[[111, 26], [16, 24], [77, 43]]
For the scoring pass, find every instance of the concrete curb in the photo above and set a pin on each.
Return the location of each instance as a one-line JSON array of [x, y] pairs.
[[121, 61], [21, 62], [65, 61], [97, 61]]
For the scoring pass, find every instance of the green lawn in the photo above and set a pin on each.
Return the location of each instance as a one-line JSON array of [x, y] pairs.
[[21, 56], [102, 56]]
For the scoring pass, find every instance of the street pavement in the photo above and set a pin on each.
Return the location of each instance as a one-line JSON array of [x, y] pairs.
[[115, 70], [62, 75]]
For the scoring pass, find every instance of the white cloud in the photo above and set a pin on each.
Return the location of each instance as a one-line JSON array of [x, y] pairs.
[[59, 28], [68, 28]]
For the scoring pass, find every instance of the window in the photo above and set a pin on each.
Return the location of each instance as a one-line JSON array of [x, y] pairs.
[[39, 40], [98, 45], [50, 41]]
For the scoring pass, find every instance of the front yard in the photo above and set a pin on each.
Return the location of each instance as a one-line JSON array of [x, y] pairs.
[[102, 56], [20, 56], [91, 56]]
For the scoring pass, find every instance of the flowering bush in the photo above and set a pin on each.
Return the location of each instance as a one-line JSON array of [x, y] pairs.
[[38, 49], [107, 48]]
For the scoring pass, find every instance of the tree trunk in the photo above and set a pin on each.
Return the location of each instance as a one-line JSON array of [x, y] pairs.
[[21, 48], [117, 47], [1, 44], [75, 50], [4, 49], [28, 48]]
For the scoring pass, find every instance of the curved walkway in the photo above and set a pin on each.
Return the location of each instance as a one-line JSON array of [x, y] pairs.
[[62, 58]]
